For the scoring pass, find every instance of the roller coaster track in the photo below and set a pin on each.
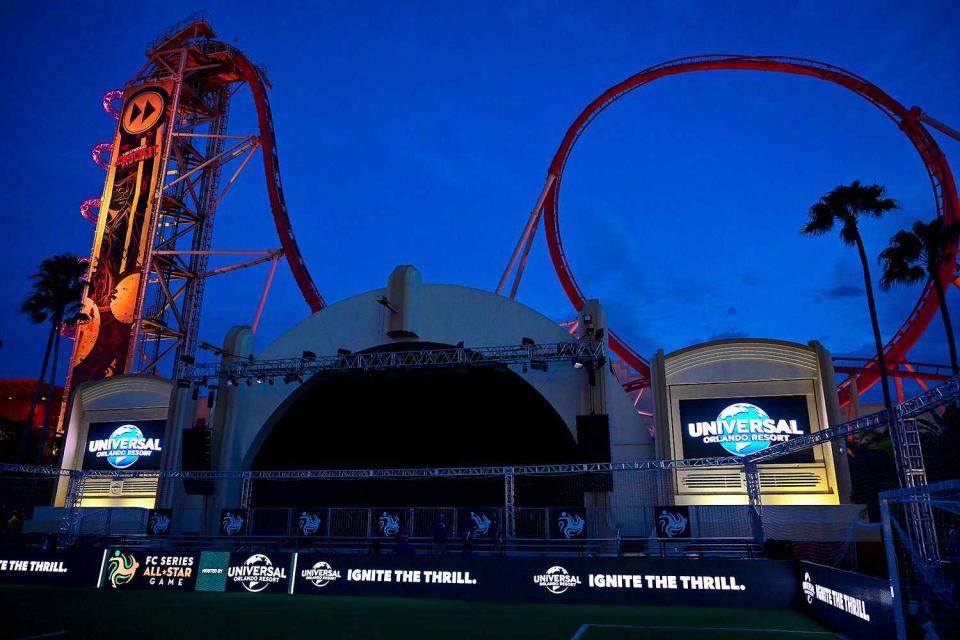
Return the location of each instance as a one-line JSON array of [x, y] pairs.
[[910, 121]]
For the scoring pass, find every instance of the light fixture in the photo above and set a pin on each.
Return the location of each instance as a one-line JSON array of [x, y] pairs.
[[344, 352], [232, 381], [308, 355], [528, 342], [259, 379], [249, 382], [270, 381], [382, 300], [183, 383], [578, 364]]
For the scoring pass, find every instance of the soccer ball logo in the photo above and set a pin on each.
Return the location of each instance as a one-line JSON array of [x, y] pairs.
[[309, 523], [571, 525], [389, 524], [121, 568]]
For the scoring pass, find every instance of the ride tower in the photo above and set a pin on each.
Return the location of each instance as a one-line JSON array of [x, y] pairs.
[[172, 161]]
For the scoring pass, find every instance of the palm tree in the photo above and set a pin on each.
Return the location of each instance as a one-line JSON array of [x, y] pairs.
[[921, 254], [56, 298], [845, 205]]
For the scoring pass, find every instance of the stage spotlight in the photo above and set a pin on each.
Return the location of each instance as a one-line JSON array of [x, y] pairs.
[[578, 364], [259, 379], [309, 356], [270, 381], [528, 342], [232, 381], [249, 382], [538, 365]]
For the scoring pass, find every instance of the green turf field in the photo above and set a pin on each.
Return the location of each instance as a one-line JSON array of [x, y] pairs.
[[135, 615]]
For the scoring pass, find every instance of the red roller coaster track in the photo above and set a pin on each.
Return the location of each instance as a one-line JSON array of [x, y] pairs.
[[908, 120]]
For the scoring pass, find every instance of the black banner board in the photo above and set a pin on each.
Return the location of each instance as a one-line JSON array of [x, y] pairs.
[[258, 572], [673, 522], [389, 523], [159, 521], [851, 604], [233, 522], [483, 522], [621, 581], [312, 522], [568, 524], [76, 567], [166, 570]]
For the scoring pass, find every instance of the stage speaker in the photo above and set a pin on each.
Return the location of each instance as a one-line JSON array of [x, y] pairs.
[[196, 454], [593, 442], [593, 438]]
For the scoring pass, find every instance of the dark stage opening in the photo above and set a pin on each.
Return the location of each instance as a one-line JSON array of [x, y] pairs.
[[467, 417]]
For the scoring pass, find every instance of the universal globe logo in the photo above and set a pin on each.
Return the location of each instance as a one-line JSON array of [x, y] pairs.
[[125, 446], [320, 574], [257, 573], [744, 428], [556, 580]]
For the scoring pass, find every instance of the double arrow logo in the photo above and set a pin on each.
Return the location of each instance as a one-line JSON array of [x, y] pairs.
[[143, 111]]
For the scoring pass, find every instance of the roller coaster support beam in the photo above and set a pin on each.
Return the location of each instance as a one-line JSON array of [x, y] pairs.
[[936, 124], [525, 242]]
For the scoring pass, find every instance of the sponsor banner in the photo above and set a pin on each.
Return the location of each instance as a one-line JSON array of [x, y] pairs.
[[622, 581], [312, 522], [139, 569], [159, 522], [259, 572], [77, 567], [233, 522], [124, 445], [484, 522], [124, 234], [673, 522], [744, 425], [851, 604], [212, 574], [390, 522], [569, 523]]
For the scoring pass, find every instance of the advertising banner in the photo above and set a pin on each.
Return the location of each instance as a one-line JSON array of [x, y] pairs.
[[158, 522], [233, 522], [157, 570], [259, 572], [390, 522], [744, 425], [312, 522], [124, 234], [77, 567], [124, 445], [624, 581], [673, 522], [568, 524], [484, 522], [852, 604], [212, 574]]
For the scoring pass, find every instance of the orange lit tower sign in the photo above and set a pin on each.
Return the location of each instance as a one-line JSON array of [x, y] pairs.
[[153, 243], [124, 235]]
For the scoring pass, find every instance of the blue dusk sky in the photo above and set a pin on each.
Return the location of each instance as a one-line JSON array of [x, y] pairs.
[[421, 133]]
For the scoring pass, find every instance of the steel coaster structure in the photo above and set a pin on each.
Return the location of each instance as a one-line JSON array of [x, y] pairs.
[[910, 121], [231, 370], [202, 76]]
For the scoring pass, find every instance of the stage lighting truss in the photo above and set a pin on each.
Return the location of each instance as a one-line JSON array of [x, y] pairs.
[[289, 370]]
